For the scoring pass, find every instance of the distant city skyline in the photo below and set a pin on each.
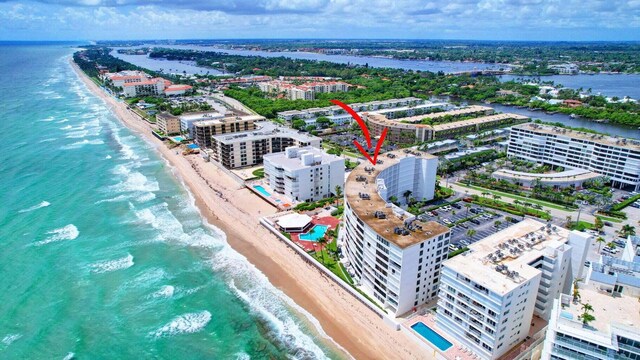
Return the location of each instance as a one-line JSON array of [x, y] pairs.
[[355, 19]]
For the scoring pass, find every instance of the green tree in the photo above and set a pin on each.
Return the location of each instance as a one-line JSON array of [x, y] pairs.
[[406, 195], [393, 199], [600, 240], [497, 223], [586, 317], [627, 230], [298, 124], [470, 233], [598, 224], [321, 243]]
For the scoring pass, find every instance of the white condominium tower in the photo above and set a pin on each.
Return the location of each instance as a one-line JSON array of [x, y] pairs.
[[395, 259], [489, 295], [617, 158], [304, 174]]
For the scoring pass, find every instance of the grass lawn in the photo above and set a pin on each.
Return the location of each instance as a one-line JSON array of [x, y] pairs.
[[611, 219], [325, 258], [582, 225], [516, 197], [258, 173]]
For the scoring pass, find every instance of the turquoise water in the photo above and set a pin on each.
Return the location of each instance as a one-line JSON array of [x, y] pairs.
[[102, 252], [178, 138], [431, 336], [261, 190], [316, 232]]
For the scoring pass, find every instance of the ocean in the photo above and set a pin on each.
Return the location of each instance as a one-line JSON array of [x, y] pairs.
[[103, 254]]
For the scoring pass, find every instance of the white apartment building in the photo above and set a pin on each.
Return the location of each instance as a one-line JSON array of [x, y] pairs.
[[188, 121], [247, 148], [304, 174], [489, 294], [393, 259], [337, 115], [305, 91], [155, 86], [616, 158], [614, 334]]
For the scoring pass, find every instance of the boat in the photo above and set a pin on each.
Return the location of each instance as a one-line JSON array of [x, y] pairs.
[[574, 116]]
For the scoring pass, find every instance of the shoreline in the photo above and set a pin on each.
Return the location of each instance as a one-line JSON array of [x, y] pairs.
[[357, 331]]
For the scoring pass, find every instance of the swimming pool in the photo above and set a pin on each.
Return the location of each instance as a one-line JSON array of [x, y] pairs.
[[178, 138], [431, 336], [261, 190], [316, 232], [193, 146]]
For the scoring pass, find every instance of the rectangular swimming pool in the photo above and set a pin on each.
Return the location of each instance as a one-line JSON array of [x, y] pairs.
[[261, 190], [178, 138], [431, 336], [316, 232]]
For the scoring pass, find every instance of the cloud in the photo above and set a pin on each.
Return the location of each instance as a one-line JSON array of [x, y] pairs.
[[239, 7], [461, 19]]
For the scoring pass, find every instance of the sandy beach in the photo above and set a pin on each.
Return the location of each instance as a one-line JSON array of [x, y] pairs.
[[235, 210]]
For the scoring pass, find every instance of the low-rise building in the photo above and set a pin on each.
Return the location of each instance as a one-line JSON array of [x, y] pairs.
[[248, 147], [304, 174], [305, 91], [573, 177], [203, 130], [489, 294], [392, 258], [401, 131], [167, 123], [337, 114], [188, 121], [614, 157], [134, 83]]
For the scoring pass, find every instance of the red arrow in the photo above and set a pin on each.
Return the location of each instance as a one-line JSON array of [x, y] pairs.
[[365, 132]]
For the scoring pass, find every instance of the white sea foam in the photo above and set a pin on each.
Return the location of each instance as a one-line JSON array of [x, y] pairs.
[[108, 157], [146, 197], [166, 291], [10, 338], [50, 118], [114, 199], [136, 181], [69, 127], [62, 121], [266, 304], [79, 144], [242, 356], [47, 140], [184, 324], [69, 356], [113, 265], [36, 207], [68, 232]]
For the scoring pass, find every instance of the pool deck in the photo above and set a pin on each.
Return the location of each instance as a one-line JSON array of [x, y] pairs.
[[458, 351], [279, 201], [330, 221]]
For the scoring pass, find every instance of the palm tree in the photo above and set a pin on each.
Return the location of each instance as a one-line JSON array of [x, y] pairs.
[[406, 195], [470, 233], [338, 192], [322, 242], [611, 245], [468, 206], [586, 316], [497, 223], [600, 240], [569, 222], [393, 199], [517, 202], [496, 197], [627, 230]]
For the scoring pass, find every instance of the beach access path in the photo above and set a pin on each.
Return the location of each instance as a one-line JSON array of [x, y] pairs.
[[236, 211]]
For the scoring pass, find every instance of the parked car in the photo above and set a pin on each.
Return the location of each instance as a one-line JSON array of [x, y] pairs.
[[434, 213], [587, 263], [606, 223], [456, 205], [475, 221], [447, 221]]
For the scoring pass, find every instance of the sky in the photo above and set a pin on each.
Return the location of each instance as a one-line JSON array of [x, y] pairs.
[[579, 20]]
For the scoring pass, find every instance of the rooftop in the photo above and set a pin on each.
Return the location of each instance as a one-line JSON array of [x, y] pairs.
[[400, 123], [458, 112], [596, 138], [572, 174], [500, 262], [266, 130], [291, 159], [620, 312], [379, 215], [209, 119]]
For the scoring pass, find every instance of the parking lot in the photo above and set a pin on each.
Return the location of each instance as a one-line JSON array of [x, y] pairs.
[[483, 222]]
